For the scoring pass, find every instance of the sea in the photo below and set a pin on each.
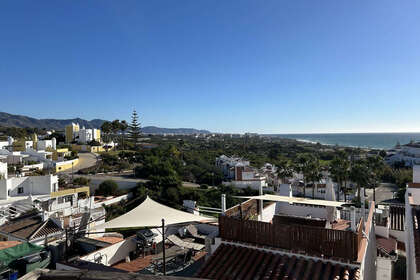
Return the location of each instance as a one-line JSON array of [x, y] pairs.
[[362, 140]]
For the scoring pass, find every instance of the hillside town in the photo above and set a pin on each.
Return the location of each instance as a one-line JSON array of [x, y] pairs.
[[268, 221]]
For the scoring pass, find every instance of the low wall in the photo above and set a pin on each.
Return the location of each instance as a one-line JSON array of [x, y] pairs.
[[65, 165], [113, 253], [398, 234], [113, 200]]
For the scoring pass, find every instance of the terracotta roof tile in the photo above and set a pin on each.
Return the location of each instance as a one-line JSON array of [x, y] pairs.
[[109, 239], [29, 227], [8, 244], [22, 227], [386, 244], [134, 265], [237, 262]]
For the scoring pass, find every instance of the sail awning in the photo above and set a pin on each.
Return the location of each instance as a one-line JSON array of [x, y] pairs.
[[150, 214]]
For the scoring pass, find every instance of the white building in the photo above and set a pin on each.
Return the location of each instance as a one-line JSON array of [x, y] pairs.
[[25, 186], [227, 165], [43, 145], [412, 226], [409, 154], [3, 170]]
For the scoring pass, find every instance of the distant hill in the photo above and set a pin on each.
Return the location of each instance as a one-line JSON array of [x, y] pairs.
[[10, 120], [160, 130], [24, 121]]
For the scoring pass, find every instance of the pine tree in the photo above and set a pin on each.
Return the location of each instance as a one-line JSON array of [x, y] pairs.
[[134, 128]]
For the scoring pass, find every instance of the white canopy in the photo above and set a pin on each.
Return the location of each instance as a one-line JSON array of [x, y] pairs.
[[281, 198], [150, 214]]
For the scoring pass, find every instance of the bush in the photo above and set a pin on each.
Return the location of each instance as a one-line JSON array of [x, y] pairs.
[[107, 188], [81, 181], [204, 186]]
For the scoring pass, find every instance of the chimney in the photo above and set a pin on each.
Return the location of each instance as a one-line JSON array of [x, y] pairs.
[[353, 218], [223, 204]]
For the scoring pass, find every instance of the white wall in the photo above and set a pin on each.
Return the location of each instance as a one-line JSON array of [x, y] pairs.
[[4, 144], [383, 268], [113, 253], [368, 267], [416, 174], [268, 213], [382, 231], [35, 185], [398, 234], [244, 184], [44, 144], [3, 170]]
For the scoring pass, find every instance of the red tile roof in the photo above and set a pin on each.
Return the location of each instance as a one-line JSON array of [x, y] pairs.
[[135, 265], [237, 262], [8, 244], [109, 239], [387, 245], [22, 227], [29, 227]]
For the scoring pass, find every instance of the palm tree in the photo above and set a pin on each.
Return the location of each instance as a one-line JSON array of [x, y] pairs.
[[285, 169], [376, 168], [359, 174], [339, 170], [303, 165], [314, 173]]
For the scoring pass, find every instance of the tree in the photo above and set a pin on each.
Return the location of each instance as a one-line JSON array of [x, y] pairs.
[[123, 128], [376, 168], [359, 174], [106, 128], [285, 169], [303, 165], [107, 188], [339, 169], [314, 173], [81, 181], [134, 128]]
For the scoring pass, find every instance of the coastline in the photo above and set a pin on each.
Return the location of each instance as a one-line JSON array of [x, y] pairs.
[[375, 141]]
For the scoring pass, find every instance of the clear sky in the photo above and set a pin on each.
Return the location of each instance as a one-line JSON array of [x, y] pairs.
[[272, 66]]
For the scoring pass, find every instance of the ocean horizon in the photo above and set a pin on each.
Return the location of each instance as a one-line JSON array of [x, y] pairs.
[[361, 140]]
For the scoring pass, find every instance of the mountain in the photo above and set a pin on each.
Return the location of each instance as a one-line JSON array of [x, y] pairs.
[[24, 121], [11, 120], [160, 130]]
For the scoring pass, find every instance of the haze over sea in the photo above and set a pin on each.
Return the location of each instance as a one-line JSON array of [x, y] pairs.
[[363, 140]]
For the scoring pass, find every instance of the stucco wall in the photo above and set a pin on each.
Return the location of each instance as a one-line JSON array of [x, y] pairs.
[[113, 253]]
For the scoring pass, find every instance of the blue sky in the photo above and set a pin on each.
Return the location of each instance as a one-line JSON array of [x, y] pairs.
[[272, 66]]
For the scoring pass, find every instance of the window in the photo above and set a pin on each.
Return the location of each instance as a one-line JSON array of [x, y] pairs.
[[68, 198], [8, 192], [20, 190], [60, 200]]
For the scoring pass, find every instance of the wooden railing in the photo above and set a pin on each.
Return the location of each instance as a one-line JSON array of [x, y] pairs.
[[310, 240]]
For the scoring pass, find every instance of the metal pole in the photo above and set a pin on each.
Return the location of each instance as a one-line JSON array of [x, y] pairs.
[[163, 246]]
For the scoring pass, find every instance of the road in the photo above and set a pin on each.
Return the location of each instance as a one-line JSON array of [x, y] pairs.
[[85, 160], [126, 181]]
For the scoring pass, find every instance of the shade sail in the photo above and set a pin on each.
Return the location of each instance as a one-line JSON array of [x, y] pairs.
[[150, 214], [281, 198]]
